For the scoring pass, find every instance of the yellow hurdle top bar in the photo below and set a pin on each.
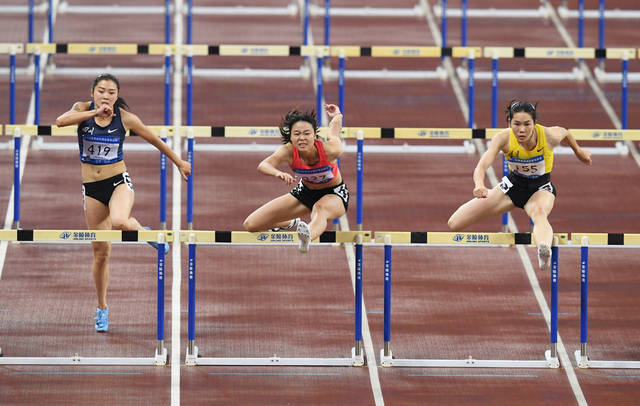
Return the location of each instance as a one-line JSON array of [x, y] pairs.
[[448, 238], [384, 51], [86, 235], [347, 132], [243, 237], [605, 239]]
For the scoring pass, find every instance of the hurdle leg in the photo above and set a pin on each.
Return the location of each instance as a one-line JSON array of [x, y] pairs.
[[552, 354], [357, 354], [386, 357], [161, 352], [582, 359], [16, 178], [192, 350]]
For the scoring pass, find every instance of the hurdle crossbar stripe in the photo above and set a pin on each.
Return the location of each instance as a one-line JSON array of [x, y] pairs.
[[7, 48], [321, 50], [267, 237], [43, 130], [450, 238], [617, 53], [88, 49], [185, 49], [606, 135], [346, 132], [254, 50], [433, 133], [86, 235], [559, 53], [390, 51], [606, 239]]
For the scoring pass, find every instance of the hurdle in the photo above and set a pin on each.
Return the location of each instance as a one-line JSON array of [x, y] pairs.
[[87, 236], [601, 240], [466, 239], [193, 238]]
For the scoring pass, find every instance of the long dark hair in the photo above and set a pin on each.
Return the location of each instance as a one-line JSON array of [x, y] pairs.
[[107, 76], [293, 117], [517, 106]]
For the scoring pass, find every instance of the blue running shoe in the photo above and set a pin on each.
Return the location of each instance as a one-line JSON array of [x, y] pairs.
[[102, 320], [155, 244]]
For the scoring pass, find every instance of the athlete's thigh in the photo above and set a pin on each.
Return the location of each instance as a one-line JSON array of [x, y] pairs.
[[121, 202], [281, 208], [542, 199], [331, 204], [478, 209], [96, 214]]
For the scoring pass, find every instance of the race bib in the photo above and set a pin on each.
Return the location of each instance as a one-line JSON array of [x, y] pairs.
[[100, 149], [528, 168], [316, 175]]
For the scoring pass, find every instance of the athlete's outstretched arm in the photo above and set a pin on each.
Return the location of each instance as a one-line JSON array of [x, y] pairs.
[[333, 146], [80, 112], [269, 165], [557, 135], [498, 143], [133, 122]]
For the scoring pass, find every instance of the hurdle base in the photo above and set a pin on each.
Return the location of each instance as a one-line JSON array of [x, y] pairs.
[[585, 362], [192, 359], [386, 360], [552, 362], [276, 361], [357, 360], [161, 358], [389, 361], [78, 360]]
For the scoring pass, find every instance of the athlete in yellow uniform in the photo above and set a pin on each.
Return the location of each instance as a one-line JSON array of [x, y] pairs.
[[528, 148]]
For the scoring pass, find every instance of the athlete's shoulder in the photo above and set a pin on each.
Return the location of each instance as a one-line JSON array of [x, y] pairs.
[[81, 106], [501, 138]]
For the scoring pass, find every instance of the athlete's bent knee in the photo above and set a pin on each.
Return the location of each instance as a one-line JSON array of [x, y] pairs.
[[119, 223], [453, 225], [249, 226]]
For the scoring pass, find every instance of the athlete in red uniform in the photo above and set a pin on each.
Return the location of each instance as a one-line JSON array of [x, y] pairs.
[[320, 190]]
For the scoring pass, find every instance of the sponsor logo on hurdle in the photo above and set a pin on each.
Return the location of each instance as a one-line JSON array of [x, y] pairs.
[[471, 238], [254, 51], [434, 134], [78, 236], [608, 135], [102, 50], [264, 132], [275, 237], [406, 52]]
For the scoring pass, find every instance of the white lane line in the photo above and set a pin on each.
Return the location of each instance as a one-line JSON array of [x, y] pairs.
[[370, 354], [24, 147], [568, 367], [176, 266], [542, 302]]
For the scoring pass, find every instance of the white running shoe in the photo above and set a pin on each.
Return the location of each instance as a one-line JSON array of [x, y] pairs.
[[304, 236], [292, 226], [544, 255]]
